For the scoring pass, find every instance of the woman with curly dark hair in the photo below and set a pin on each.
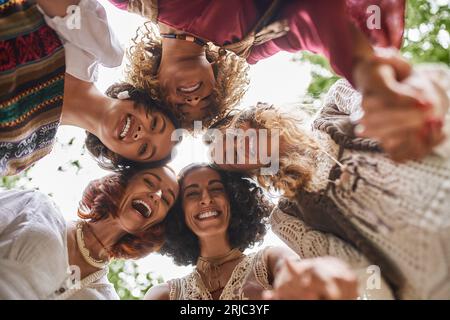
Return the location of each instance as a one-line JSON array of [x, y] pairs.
[[44, 257], [143, 135], [219, 215], [397, 215]]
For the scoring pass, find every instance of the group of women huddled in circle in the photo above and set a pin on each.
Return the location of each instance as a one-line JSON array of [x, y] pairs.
[[362, 187]]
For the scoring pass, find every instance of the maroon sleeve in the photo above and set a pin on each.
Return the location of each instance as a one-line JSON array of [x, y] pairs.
[[121, 4], [322, 26]]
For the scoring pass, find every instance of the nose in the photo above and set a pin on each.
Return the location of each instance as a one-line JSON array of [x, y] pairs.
[[192, 101], [156, 196], [140, 132], [206, 199]]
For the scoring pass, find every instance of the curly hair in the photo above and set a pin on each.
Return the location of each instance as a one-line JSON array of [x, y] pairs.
[[249, 209], [297, 147], [112, 161], [102, 198], [230, 70]]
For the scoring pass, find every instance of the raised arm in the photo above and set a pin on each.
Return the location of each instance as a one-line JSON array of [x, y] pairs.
[[58, 8], [159, 292], [310, 243], [87, 36], [308, 279], [346, 99]]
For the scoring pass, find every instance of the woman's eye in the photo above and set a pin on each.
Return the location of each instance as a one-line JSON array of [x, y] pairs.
[[218, 189], [154, 123], [142, 149], [149, 183], [192, 194]]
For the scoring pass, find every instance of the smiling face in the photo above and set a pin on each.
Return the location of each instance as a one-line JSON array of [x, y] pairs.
[[188, 85], [148, 197], [249, 154], [135, 134], [205, 203]]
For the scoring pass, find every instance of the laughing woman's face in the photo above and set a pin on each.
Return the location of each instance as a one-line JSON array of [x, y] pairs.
[[147, 199], [136, 134], [205, 202]]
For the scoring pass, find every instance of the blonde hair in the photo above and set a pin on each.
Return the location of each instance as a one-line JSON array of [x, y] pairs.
[[297, 148], [231, 73]]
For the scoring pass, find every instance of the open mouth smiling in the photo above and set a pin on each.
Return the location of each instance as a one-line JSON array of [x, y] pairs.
[[126, 127], [210, 214], [142, 207], [190, 89]]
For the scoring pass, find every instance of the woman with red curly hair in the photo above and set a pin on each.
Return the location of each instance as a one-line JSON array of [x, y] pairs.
[[44, 257]]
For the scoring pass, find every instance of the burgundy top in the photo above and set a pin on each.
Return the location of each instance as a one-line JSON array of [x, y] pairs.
[[319, 26]]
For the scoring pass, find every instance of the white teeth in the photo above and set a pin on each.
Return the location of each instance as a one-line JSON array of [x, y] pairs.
[[207, 214], [126, 128], [149, 210], [190, 89]]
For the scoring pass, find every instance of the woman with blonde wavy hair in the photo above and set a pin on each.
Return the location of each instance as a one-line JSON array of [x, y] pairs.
[[396, 214]]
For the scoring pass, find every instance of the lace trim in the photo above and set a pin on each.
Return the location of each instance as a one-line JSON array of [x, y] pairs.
[[192, 287], [310, 243], [260, 270]]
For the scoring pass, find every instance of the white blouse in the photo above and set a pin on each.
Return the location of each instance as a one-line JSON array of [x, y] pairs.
[[34, 261], [88, 40]]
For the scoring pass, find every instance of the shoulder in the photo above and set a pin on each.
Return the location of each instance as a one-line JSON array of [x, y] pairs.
[[31, 213], [15, 203], [159, 292]]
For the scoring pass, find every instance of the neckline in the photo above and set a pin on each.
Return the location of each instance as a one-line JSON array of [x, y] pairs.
[[229, 282]]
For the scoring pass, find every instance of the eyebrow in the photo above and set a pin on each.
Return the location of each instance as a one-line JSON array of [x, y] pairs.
[[195, 185], [215, 181]]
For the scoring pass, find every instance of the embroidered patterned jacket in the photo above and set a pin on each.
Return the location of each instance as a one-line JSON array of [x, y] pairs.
[[32, 67]]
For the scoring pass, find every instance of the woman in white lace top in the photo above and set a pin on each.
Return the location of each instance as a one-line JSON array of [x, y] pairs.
[[44, 257], [219, 215], [396, 214]]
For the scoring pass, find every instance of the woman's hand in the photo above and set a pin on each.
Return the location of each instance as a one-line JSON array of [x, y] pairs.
[[313, 279], [399, 107]]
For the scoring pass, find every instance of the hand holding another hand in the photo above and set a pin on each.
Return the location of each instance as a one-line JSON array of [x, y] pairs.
[[313, 279]]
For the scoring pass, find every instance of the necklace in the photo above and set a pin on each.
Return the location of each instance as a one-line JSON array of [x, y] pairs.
[[185, 37], [98, 240], [210, 268], [100, 264]]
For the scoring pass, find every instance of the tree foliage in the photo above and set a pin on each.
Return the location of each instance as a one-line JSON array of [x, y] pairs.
[[130, 283], [426, 39]]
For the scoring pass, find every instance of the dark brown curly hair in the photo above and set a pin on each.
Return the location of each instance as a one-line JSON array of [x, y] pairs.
[[249, 209], [102, 198], [112, 161]]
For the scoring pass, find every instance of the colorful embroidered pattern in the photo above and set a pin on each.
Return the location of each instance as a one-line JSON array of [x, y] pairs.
[[32, 68]]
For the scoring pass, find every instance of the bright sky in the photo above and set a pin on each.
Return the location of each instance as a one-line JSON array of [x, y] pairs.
[[277, 80]]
